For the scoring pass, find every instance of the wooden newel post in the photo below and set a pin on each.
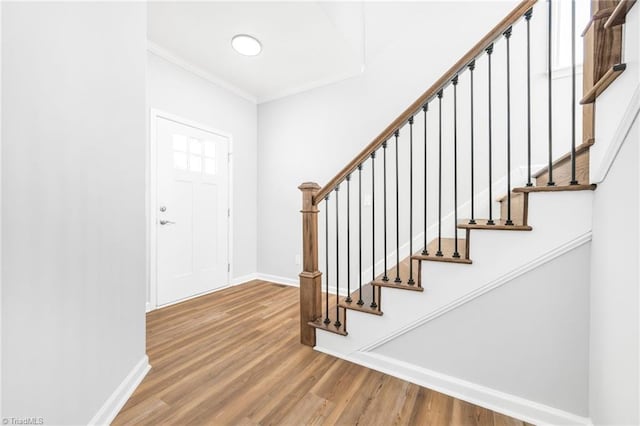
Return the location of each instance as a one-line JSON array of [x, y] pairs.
[[310, 277]]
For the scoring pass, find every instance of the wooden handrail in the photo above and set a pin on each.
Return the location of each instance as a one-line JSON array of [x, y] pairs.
[[513, 16]]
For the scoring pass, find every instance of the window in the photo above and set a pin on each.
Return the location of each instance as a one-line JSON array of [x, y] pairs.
[[561, 55], [209, 158], [195, 156], [180, 152]]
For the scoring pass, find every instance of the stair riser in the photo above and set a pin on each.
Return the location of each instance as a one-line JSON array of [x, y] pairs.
[[517, 209], [562, 171]]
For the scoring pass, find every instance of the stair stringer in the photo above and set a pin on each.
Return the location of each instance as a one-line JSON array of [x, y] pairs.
[[560, 220]]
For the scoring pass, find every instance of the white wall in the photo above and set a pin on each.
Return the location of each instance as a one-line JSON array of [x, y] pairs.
[[73, 185], [528, 338], [615, 309], [172, 89], [312, 135], [614, 352]]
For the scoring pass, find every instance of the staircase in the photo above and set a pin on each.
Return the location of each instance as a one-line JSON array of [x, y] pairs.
[[453, 258]]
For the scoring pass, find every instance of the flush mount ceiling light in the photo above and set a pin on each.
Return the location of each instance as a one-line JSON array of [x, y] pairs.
[[246, 45]]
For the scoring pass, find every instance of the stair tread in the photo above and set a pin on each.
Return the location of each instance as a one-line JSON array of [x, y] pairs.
[[500, 225], [319, 323], [367, 298], [403, 273], [448, 247], [587, 187], [392, 284]]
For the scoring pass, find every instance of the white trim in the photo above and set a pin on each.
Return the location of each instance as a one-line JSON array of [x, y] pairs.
[[188, 66], [231, 212], [510, 276], [510, 405], [151, 195], [1, 330], [151, 213], [243, 279], [165, 54], [193, 296], [119, 397], [628, 118], [232, 283], [278, 280]]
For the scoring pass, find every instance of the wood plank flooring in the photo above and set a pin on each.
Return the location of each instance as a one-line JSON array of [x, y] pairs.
[[233, 358]]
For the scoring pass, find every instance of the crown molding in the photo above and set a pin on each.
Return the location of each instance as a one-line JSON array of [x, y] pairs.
[[194, 69]]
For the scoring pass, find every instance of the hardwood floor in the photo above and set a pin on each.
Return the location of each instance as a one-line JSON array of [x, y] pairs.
[[234, 358]]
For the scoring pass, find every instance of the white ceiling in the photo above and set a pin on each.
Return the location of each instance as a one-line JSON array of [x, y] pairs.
[[305, 44]]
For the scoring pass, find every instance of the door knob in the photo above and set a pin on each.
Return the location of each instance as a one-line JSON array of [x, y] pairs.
[[166, 222]]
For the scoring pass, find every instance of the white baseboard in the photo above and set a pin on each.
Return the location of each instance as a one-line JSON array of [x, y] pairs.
[[501, 402], [294, 282], [235, 281], [119, 397], [243, 279]]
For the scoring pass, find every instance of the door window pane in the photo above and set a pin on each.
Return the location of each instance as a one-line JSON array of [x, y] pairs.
[[209, 158], [180, 160], [209, 149], [180, 143], [195, 163], [210, 166], [195, 147]]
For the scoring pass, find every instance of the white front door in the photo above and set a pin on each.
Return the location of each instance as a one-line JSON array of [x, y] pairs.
[[192, 210]]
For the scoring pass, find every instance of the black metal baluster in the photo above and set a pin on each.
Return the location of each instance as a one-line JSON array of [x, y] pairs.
[[439, 252], [373, 229], [507, 35], [425, 108], [348, 298], [337, 323], [360, 301], [550, 100], [326, 258], [489, 51], [574, 181], [384, 194], [411, 281], [472, 221], [397, 279], [456, 254], [527, 17]]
